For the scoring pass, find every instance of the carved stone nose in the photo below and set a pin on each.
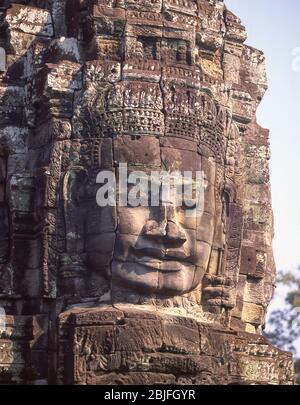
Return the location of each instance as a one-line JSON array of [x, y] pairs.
[[154, 229], [175, 232], [167, 228]]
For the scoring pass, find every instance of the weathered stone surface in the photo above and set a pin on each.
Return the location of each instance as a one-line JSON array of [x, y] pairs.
[[136, 353], [167, 85], [30, 20]]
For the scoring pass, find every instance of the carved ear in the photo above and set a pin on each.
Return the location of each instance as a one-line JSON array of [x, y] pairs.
[[226, 200], [228, 191], [75, 178]]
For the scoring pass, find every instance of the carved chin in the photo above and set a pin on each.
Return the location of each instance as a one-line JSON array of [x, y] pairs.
[[164, 278]]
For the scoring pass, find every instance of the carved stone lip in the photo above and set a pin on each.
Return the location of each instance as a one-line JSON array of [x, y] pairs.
[[161, 253], [162, 265]]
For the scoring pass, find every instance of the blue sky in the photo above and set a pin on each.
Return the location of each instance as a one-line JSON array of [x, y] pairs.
[[273, 26]]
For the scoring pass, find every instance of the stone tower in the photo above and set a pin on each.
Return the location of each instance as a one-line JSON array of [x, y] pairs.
[[126, 294]]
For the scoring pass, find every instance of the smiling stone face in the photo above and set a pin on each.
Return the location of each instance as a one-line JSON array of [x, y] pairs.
[[154, 97], [165, 249], [159, 86]]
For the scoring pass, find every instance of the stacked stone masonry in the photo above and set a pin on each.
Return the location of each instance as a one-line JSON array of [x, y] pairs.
[[87, 85]]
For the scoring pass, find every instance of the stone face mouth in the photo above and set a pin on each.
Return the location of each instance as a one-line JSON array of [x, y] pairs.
[[161, 258], [162, 253], [163, 266]]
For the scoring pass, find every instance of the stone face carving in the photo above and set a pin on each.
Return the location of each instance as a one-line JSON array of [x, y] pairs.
[[91, 85]]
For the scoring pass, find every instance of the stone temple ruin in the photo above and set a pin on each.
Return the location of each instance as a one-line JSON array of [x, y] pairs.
[[132, 295]]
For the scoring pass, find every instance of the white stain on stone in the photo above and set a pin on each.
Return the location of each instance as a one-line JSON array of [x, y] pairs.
[[2, 321], [30, 20]]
